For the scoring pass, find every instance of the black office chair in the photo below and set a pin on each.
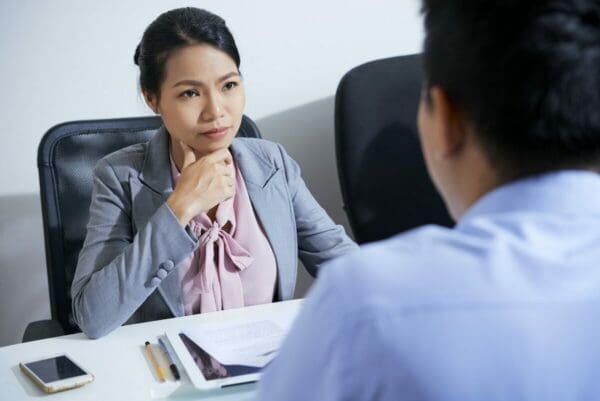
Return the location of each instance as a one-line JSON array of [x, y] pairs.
[[384, 182], [66, 158]]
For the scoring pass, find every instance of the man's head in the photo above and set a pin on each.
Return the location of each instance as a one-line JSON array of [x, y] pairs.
[[512, 88]]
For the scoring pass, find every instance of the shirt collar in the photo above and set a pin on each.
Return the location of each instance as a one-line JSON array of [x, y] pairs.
[[567, 192]]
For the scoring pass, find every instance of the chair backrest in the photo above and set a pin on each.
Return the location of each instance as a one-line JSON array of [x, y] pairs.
[[67, 156], [384, 182]]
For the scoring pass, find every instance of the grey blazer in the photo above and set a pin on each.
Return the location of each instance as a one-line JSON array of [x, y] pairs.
[[127, 268]]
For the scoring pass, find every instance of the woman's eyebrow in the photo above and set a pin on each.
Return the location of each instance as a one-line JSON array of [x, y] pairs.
[[230, 75], [194, 82]]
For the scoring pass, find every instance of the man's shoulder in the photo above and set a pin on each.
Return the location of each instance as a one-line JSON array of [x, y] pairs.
[[415, 268], [401, 253]]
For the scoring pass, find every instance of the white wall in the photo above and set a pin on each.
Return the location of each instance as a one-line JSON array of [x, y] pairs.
[[69, 60]]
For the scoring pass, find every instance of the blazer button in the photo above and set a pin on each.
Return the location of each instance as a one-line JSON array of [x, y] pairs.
[[154, 282], [161, 273], [168, 265]]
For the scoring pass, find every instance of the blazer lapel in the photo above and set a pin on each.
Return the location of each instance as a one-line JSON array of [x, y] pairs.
[[268, 194], [150, 190]]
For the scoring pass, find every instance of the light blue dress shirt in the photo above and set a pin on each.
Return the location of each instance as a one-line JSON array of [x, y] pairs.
[[505, 306]]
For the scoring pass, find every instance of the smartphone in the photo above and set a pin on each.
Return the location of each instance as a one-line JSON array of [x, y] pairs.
[[56, 373]]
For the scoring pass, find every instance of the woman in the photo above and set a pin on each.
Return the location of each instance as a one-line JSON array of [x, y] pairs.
[[195, 220]]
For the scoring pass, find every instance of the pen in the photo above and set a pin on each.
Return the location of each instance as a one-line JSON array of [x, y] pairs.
[[170, 359], [268, 352], [159, 371]]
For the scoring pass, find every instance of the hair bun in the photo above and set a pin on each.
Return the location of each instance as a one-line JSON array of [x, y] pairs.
[[136, 56]]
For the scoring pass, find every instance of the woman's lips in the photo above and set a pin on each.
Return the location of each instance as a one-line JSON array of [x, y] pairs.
[[217, 133]]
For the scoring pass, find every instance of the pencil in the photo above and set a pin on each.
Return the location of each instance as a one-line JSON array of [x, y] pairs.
[[159, 371]]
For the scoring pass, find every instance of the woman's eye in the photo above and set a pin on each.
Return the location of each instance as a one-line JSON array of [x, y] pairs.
[[189, 93], [230, 85]]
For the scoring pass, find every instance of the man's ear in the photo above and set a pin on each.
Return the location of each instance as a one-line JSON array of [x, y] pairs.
[[451, 132], [151, 101]]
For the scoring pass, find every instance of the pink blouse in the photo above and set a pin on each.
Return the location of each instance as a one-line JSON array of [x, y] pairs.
[[234, 265]]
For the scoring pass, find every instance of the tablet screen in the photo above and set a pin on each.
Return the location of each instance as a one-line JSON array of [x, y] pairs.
[[211, 369]]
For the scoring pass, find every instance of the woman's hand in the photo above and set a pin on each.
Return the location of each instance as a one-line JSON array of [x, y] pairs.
[[203, 184]]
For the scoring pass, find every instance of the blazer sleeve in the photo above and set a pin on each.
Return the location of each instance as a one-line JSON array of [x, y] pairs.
[[319, 238], [118, 268]]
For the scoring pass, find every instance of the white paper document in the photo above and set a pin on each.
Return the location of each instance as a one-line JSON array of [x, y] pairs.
[[248, 344]]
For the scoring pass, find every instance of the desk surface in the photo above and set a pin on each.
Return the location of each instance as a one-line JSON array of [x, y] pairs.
[[119, 364]]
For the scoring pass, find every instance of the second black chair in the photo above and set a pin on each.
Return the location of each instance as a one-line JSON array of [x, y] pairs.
[[384, 182]]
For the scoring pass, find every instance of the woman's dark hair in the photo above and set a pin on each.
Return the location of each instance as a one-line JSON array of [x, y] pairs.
[[175, 29], [527, 74]]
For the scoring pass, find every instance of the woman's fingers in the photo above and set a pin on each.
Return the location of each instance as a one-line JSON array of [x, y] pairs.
[[228, 187], [219, 156], [228, 158], [189, 156], [223, 169], [205, 182]]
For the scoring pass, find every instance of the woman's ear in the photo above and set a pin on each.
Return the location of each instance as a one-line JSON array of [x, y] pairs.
[[151, 101]]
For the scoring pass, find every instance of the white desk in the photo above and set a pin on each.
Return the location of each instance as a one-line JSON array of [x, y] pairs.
[[119, 363]]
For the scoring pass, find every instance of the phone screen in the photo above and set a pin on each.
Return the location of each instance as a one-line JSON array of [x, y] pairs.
[[53, 369]]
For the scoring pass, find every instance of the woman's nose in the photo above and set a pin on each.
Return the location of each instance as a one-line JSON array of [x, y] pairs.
[[212, 109]]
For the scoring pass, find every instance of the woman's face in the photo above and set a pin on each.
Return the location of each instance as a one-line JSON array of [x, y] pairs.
[[201, 99]]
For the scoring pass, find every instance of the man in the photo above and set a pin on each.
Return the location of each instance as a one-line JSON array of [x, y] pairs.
[[506, 304]]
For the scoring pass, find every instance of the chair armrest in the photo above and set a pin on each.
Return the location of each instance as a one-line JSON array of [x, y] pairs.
[[41, 329]]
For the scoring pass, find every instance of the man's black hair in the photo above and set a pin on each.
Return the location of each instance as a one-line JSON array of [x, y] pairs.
[[526, 73]]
